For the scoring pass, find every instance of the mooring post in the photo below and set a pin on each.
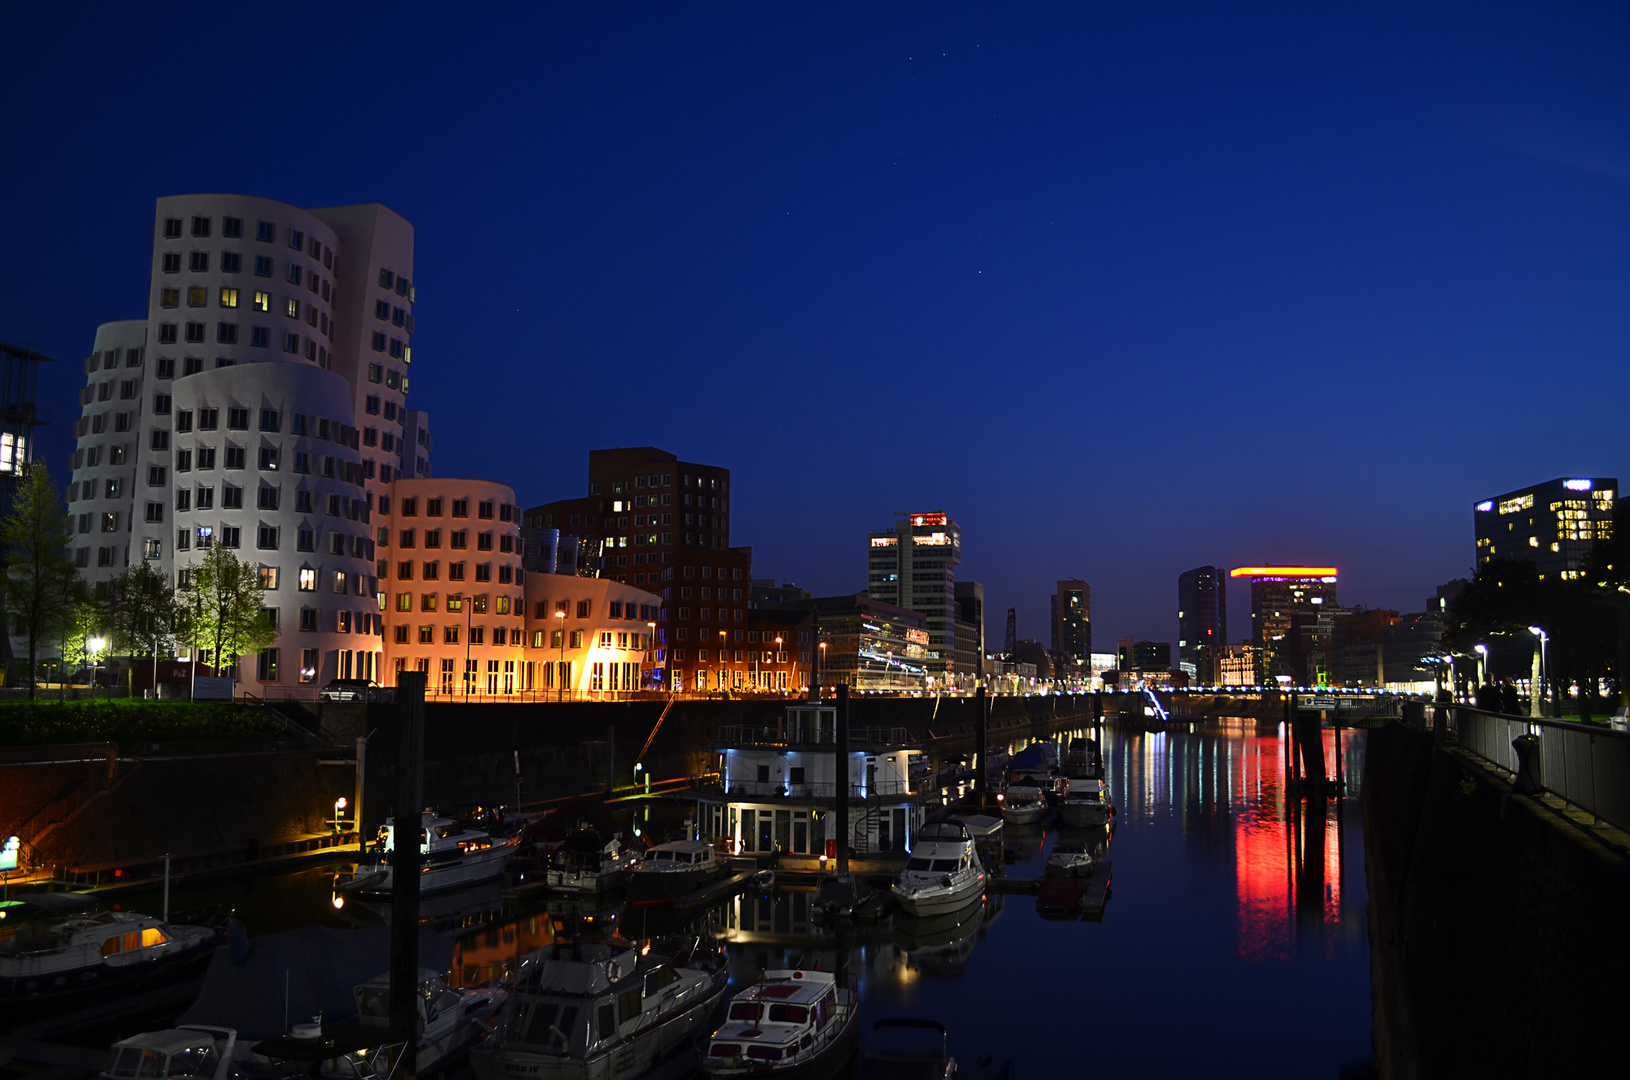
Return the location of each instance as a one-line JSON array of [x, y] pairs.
[[842, 776], [405, 862], [980, 747]]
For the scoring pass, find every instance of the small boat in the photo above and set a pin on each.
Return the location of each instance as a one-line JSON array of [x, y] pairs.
[[943, 872], [790, 1024], [1085, 804], [671, 870], [451, 857], [186, 1052], [762, 882], [55, 944], [450, 1022], [1022, 808], [1069, 858], [601, 1010], [585, 864], [907, 1049]]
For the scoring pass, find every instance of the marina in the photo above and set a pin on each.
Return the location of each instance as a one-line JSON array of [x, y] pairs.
[[1206, 851]]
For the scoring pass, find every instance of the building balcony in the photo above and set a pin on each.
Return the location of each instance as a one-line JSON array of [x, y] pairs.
[[823, 792]]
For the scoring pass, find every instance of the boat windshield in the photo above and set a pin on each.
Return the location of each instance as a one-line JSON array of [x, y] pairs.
[[919, 864], [724, 1050], [744, 1010], [549, 1025], [789, 1014], [943, 865]]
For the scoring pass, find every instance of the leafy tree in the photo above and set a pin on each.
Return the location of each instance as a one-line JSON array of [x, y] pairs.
[[39, 570], [141, 614], [221, 608]]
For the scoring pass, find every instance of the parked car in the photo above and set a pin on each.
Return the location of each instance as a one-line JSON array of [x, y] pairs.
[[353, 690]]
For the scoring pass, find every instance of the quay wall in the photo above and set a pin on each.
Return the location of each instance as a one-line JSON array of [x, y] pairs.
[[217, 805], [1497, 927]]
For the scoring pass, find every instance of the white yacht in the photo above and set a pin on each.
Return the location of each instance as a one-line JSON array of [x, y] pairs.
[[55, 944], [1085, 804], [791, 1024], [1069, 858], [671, 870], [1022, 808], [943, 872], [451, 857], [450, 1022], [600, 1010]]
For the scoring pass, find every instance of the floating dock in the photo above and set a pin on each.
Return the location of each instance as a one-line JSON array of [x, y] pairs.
[[1092, 906]]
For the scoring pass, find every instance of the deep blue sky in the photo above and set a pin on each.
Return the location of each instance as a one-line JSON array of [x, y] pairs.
[[1124, 288]]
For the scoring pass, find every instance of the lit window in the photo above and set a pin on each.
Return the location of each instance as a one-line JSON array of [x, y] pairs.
[[292, 309], [308, 579], [229, 297], [197, 296]]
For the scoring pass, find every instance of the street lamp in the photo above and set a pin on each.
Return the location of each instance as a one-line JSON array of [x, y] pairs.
[[1483, 664], [822, 667], [1544, 669], [560, 668], [95, 645], [721, 660], [339, 805], [650, 642], [778, 648]]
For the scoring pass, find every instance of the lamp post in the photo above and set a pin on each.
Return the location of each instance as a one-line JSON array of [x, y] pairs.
[[560, 668], [822, 668], [1545, 680], [778, 648], [339, 805], [722, 655], [95, 645], [1482, 664]]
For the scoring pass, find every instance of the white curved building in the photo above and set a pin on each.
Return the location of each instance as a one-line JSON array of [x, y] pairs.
[[262, 399]]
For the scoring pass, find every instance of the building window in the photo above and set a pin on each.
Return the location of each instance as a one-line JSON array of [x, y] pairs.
[[172, 228], [199, 262], [266, 669], [263, 266], [231, 262]]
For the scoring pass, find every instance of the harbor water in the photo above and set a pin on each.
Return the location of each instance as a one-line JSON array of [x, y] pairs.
[[1233, 942]]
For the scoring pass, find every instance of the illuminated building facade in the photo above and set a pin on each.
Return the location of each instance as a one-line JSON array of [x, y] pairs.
[[661, 524], [1202, 621], [1071, 610], [1278, 595], [1551, 525], [1237, 665], [258, 405], [871, 645], [913, 566]]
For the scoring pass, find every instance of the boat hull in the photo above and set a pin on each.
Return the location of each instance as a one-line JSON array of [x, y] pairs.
[[473, 869], [941, 901], [1084, 815], [45, 981], [665, 886]]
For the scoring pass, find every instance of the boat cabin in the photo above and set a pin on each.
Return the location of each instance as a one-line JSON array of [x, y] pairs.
[[777, 1021], [183, 1053], [439, 838], [679, 855]]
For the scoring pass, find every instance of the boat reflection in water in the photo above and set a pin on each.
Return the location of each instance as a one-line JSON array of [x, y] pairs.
[[939, 946]]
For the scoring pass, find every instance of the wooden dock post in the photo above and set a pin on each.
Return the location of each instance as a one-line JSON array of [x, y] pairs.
[[405, 861]]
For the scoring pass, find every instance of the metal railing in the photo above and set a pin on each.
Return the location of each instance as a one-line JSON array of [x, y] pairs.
[[826, 790], [1583, 764], [860, 738]]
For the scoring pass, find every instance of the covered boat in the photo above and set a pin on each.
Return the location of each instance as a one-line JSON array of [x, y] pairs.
[[584, 863], [1085, 804], [790, 1024], [1069, 858], [188, 1052], [943, 872], [599, 1010]]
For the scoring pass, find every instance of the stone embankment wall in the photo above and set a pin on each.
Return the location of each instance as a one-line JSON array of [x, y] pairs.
[[1498, 928]]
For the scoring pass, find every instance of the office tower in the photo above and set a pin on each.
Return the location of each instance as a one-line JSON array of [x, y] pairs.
[[663, 524], [969, 644], [913, 565], [1552, 525], [1202, 621], [19, 416], [1279, 594], [1011, 637], [258, 405], [1071, 608]]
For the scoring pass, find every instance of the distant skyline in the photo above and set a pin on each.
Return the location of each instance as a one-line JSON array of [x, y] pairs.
[[1125, 290]]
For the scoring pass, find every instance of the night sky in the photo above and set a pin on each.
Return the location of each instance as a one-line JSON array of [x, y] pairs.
[[1125, 289]]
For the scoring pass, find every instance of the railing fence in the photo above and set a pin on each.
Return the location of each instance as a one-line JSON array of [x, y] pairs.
[[1583, 764]]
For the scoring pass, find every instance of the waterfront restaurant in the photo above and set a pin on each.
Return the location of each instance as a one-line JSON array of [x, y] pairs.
[[777, 788]]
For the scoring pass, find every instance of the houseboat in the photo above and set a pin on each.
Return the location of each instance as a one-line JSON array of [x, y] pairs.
[[58, 944], [789, 1025], [669, 871]]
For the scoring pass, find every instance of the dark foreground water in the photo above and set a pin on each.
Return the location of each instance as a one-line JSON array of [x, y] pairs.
[[1233, 943]]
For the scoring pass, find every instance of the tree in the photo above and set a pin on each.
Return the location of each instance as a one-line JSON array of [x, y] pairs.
[[140, 615], [221, 606], [39, 570]]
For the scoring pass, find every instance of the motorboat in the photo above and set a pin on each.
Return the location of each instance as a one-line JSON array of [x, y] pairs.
[[1022, 808], [1082, 761], [585, 864], [601, 1010], [671, 870], [791, 1023], [1069, 858], [907, 1048], [451, 856], [1085, 804], [186, 1052], [55, 944], [943, 872], [450, 1022]]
